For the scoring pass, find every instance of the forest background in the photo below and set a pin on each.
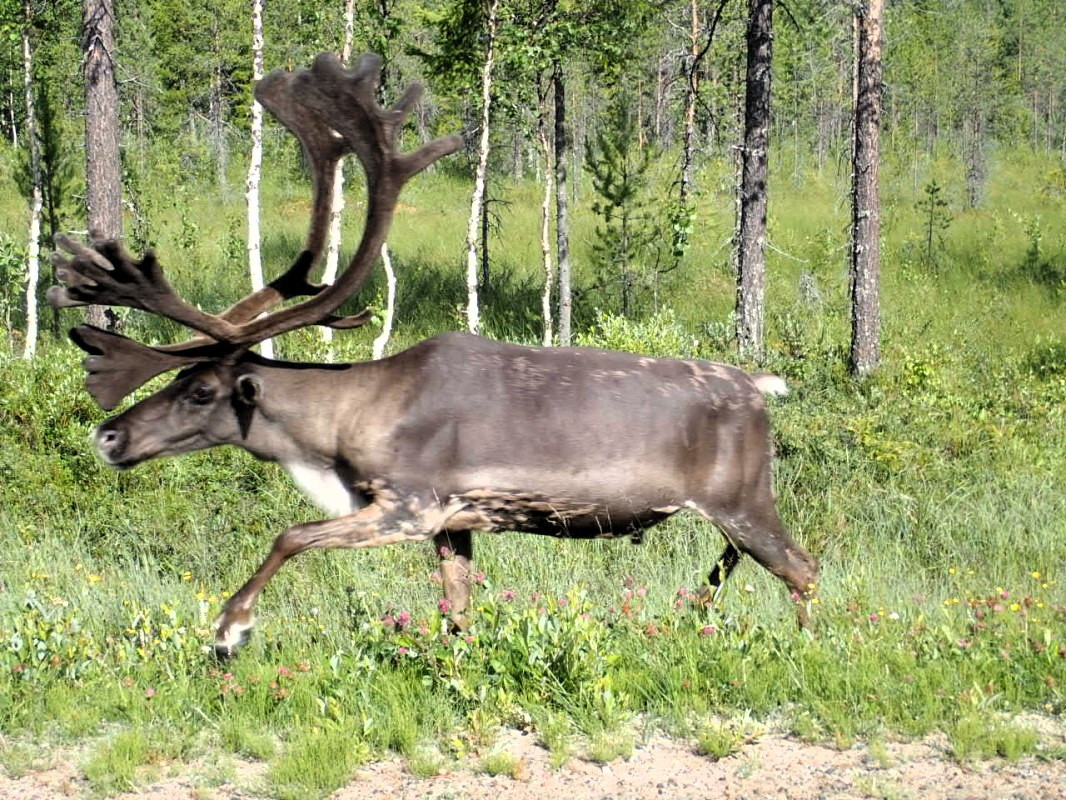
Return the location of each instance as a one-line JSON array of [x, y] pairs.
[[933, 491]]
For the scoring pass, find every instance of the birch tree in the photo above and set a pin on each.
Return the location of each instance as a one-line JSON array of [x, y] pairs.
[[865, 202], [33, 249], [255, 166], [546, 218], [473, 320], [562, 211]]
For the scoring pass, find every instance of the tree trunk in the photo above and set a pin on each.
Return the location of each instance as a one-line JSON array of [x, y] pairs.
[[33, 249], [103, 168], [485, 228], [333, 249], [255, 166], [692, 88], [866, 205], [11, 116], [751, 273], [562, 221], [545, 225], [473, 321]]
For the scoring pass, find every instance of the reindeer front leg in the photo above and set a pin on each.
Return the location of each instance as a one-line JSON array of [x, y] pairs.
[[382, 522]]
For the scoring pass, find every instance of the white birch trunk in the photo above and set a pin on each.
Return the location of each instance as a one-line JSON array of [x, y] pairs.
[[33, 251], [473, 321], [11, 115], [255, 259], [382, 340], [545, 237], [333, 249]]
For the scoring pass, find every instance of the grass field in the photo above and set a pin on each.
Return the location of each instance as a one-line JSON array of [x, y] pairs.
[[934, 495]]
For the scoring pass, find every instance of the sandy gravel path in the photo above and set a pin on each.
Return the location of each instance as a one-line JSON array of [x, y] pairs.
[[773, 767]]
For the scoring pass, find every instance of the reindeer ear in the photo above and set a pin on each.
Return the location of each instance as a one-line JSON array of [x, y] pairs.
[[246, 393], [249, 390]]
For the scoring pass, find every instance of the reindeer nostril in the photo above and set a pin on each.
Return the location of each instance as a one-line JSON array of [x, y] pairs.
[[110, 441]]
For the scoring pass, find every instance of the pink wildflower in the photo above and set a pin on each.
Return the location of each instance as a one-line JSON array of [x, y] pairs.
[[445, 605]]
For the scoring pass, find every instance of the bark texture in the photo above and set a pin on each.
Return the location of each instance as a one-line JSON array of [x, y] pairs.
[[751, 266], [545, 230], [866, 203], [103, 167]]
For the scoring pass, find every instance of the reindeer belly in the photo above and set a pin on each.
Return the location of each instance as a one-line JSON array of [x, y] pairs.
[[492, 510]]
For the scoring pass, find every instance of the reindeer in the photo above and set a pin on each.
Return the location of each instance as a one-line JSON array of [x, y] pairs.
[[454, 435]]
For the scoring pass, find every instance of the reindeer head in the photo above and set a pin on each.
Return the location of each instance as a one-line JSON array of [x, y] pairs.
[[206, 405], [333, 112]]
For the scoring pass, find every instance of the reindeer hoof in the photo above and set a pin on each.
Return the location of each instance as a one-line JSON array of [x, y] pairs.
[[231, 638]]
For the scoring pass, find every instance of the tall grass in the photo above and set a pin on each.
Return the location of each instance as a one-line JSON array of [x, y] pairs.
[[934, 494]]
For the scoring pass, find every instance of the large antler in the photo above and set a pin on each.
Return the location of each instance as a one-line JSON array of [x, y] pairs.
[[332, 111]]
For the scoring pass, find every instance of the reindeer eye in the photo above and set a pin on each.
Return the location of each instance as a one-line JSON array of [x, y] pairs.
[[202, 394]]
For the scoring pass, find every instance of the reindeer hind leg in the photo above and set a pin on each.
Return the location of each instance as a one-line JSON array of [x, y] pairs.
[[456, 552]]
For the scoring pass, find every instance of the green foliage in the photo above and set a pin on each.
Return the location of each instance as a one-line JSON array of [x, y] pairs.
[[315, 763], [975, 737], [500, 762], [626, 247], [718, 741], [12, 259], [661, 334], [935, 220], [1040, 267]]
